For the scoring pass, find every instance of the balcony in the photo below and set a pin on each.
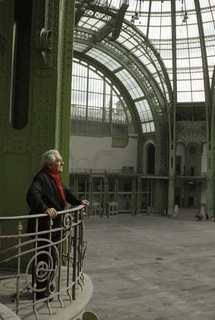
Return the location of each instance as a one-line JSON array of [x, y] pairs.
[[33, 265]]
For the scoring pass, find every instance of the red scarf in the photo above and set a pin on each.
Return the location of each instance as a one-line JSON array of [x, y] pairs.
[[56, 178]]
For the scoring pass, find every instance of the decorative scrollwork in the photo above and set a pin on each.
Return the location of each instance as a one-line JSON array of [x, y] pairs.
[[67, 222], [45, 43], [45, 39], [44, 269], [43, 266]]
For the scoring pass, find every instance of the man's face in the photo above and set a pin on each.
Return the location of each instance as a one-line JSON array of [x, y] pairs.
[[57, 165]]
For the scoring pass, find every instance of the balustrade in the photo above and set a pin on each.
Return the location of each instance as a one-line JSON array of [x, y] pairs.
[[34, 263]]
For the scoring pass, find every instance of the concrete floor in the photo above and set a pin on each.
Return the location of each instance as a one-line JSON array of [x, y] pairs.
[[151, 268]]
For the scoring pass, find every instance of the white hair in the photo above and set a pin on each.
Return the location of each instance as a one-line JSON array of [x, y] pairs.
[[49, 157]]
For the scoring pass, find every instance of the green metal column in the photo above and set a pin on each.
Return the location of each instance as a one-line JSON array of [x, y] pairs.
[[160, 198], [172, 124], [15, 141], [35, 93], [210, 205], [65, 57]]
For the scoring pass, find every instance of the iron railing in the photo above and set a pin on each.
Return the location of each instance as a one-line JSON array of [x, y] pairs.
[[36, 264]]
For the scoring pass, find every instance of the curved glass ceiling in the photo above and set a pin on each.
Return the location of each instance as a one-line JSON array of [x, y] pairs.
[[176, 50], [193, 41]]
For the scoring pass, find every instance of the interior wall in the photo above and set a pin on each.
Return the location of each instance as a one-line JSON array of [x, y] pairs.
[[97, 153]]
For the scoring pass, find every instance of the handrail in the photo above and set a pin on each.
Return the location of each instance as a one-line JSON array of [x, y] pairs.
[[46, 261]]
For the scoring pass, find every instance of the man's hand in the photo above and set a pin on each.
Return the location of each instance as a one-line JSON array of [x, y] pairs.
[[85, 202], [51, 212]]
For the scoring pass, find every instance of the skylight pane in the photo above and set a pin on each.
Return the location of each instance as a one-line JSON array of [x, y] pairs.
[[148, 127], [144, 110], [104, 58], [130, 83]]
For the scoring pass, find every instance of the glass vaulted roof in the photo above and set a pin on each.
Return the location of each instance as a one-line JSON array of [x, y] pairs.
[[164, 54]]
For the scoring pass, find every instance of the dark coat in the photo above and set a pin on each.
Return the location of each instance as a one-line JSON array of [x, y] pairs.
[[42, 194]]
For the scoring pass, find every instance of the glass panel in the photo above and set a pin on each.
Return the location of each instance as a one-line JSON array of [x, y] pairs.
[[144, 110], [96, 101], [104, 58], [130, 83], [148, 127]]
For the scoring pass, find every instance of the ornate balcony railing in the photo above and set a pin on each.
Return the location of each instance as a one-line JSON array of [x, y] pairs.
[[33, 264]]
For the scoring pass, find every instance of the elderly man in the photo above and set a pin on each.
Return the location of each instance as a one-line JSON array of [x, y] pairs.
[[47, 195]]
